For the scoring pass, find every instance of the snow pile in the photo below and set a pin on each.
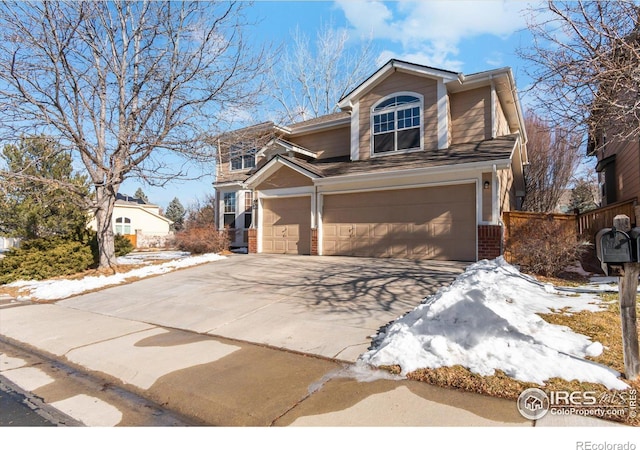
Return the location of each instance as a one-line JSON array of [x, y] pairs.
[[139, 258], [58, 289], [486, 320]]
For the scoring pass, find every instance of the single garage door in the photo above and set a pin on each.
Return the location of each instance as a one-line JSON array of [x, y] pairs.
[[286, 225], [423, 223]]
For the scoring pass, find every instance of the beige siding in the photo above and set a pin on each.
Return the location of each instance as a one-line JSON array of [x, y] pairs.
[[471, 115], [507, 191], [284, 178], [401, 82], [327, 144], [502, 126]]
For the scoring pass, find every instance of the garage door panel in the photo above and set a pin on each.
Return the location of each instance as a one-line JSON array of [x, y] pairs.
[[423, 223], [286, 225]]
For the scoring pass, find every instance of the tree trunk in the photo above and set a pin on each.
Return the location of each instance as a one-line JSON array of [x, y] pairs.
[[105, 199]]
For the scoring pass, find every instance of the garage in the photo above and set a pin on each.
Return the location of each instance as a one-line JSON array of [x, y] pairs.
[[419, 223], [286, 225]]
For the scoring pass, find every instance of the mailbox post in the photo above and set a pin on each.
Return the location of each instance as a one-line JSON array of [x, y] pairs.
[[618, 250]]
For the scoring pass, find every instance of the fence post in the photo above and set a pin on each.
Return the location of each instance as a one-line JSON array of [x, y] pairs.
[[628, 288]]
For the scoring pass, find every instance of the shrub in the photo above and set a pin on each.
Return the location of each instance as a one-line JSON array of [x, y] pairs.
[[202, 239], [544, 246], [39, 259], [123, 245]]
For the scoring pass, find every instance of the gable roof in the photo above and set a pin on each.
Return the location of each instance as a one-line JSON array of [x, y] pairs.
[[394, 65], [129, 199]]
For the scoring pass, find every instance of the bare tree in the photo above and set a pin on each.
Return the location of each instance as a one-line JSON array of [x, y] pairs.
[[586, 69], [313, 76], [553, 158], [123, 85]]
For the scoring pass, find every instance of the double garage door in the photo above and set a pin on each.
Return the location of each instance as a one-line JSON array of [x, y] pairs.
[[422, 223]]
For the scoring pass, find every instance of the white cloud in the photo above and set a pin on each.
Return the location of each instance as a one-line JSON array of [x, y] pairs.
[[432, 30]]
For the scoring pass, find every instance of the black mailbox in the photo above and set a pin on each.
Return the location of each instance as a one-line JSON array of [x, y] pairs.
[[634, 234], [613, 247]]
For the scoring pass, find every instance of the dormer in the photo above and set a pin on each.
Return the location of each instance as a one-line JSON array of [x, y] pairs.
[[405, 107], [385, 107]]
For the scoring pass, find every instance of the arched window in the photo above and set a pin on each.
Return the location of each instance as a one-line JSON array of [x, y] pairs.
[[396, 123], [123, 225]]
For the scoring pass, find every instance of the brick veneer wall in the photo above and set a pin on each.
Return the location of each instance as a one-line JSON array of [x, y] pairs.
[[253, 240], [489, 241], [314, 241]]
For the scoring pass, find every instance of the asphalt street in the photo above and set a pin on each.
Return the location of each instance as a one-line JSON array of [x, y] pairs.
[[16, 410]]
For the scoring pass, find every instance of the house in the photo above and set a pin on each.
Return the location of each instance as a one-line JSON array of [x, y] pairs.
[[140, 222], [419, 163], [613, 136], [618, 166]]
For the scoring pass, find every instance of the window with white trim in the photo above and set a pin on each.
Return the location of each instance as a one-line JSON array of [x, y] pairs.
[[248, 207], [396, 123], [242, 157], [229, 200], [123, 225]]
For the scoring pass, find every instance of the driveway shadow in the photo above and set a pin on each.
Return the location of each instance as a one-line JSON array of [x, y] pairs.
[[347, 285]]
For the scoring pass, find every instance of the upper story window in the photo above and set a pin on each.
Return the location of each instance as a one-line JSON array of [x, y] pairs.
[[241, 157], [396, 123], [123, 225]]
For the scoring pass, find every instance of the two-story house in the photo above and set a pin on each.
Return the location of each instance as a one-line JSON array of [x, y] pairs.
[[419, 163]]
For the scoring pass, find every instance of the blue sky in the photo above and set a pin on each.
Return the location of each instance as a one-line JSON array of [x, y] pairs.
[[467, 36]]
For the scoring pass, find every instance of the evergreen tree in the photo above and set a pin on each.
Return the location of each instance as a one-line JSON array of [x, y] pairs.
[[141, 195], [42, 195], [176, 213], [582, 196]]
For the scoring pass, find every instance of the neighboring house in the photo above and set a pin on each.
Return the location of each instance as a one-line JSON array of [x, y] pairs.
[[565, 206], [618, 167], [420, 163], [139, 221]]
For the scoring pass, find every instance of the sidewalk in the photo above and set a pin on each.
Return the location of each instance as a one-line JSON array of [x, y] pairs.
[[216, 381]]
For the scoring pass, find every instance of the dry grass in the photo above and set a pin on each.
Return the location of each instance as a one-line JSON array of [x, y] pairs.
[[602, 326]]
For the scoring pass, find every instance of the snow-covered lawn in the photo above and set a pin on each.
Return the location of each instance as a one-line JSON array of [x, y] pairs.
[[486, 320], [62, 288]]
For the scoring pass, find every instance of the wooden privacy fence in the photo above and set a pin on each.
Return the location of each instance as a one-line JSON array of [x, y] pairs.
[[521, 226], [591, 222]]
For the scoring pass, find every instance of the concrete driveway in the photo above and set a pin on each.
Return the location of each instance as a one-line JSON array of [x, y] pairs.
[[326, 306]]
